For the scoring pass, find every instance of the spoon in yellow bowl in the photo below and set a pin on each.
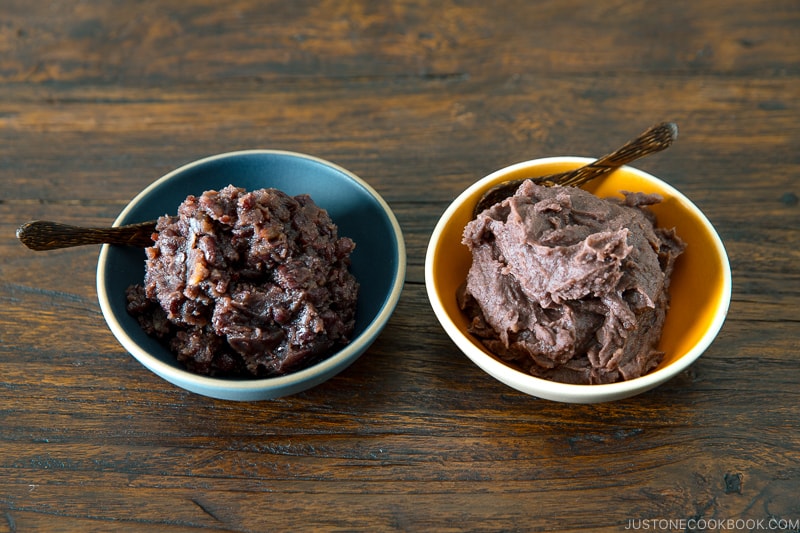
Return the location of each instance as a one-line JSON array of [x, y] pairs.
[[652, 140]]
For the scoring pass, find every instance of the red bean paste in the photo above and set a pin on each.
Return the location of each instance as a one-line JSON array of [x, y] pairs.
[[250, 284], [568, 286]]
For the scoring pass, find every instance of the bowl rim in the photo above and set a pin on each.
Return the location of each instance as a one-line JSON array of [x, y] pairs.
[[246, 387], [565, 391]]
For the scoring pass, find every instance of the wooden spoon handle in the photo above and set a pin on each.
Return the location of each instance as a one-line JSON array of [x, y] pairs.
[[44, 235], [652, 140]]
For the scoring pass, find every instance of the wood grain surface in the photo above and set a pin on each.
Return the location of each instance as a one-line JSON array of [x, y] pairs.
[[420, 98]]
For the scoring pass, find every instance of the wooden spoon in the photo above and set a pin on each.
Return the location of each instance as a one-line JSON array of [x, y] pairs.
[[654, 139], [43, 235]]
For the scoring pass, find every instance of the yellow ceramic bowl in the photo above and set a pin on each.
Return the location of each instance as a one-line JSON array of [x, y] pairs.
[[700, 288]]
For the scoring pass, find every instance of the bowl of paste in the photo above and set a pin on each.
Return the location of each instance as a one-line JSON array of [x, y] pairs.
[[579, 295], [261, 258]]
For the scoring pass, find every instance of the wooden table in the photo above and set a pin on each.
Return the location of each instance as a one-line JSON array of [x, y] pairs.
[[98, 99]]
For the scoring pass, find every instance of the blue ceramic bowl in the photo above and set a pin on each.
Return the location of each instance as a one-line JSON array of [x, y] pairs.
[[378, 262]]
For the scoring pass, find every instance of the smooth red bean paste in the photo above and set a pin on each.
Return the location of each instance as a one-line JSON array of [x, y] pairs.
[[250, 284], [568, 286]]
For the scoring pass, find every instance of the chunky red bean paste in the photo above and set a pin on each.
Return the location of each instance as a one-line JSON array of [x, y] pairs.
[[568, 286], [250, 284]]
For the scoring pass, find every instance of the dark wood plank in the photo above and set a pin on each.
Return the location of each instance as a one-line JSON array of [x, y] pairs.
[[99, 99]]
